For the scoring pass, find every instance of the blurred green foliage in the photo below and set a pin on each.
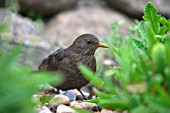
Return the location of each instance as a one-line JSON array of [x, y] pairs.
[[3, 27], [12, 5], [143, 72], [114, 38], [18, 82]]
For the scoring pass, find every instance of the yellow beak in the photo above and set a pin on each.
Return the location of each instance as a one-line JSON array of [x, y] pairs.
[[102, 45]]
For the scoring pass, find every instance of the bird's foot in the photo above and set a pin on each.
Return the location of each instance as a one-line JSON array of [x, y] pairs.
[[85, 98]]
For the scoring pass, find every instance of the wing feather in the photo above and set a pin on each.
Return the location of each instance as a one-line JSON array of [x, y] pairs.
[[52, 61]]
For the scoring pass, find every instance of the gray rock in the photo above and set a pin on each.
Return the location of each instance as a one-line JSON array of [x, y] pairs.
[[91, 3], [59, 99], [23, 31], [67, 26], [135, 7], [46, 7], [43, 7]]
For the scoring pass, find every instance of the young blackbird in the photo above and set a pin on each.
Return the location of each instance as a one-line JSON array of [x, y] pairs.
[[65, 61]]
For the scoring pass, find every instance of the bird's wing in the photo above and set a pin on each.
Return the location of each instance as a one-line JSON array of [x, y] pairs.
[[52, 61]]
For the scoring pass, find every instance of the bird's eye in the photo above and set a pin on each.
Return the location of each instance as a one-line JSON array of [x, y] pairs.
[[88, 42]]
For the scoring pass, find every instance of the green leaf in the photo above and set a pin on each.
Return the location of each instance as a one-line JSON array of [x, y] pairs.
[[101, 94], [116, 50], [114, 104], [139, 44], [78, 110], [158, 55], [163, 21], [163, 30], [90, 76], [93, 100], [143, 31], [150, 15], [156, 103], [168, 25], [141, 109], [147, 33]]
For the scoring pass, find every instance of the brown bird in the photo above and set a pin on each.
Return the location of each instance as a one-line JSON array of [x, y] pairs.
[[65, 61]]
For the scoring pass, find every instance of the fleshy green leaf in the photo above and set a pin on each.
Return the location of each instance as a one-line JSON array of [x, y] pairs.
[[141, 109], [159, 57], [147, 33], [150, 15], [90, 76], [113, 104], [116, 50], [78, 110], [140, 44]]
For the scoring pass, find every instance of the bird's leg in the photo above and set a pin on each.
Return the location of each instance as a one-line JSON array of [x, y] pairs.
[[91, 94], [85, 98], [57, 91]]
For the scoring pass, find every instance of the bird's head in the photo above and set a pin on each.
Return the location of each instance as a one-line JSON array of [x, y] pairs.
[[87, 44]]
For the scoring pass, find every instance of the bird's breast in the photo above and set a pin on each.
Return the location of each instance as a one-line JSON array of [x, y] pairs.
[[90, 62], [73, 77]]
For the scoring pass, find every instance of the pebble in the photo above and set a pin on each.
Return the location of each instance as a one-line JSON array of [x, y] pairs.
[[59, 99], [70, 94], [84, 105], [88, 105], [79, 98], [45, 109], [73, 103], [49, 89], [64, 109], [109, 111], [36, 99]]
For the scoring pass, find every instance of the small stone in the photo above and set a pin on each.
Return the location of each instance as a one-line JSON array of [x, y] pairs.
[[70, 95], [59, 99], [73, 103], [78, 106], [85, 105], [36, 99], [96, 108], [88, 105], [109, 111], [76, 92], [64, 109], [48, 89], [45, 109], [79, 97]]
